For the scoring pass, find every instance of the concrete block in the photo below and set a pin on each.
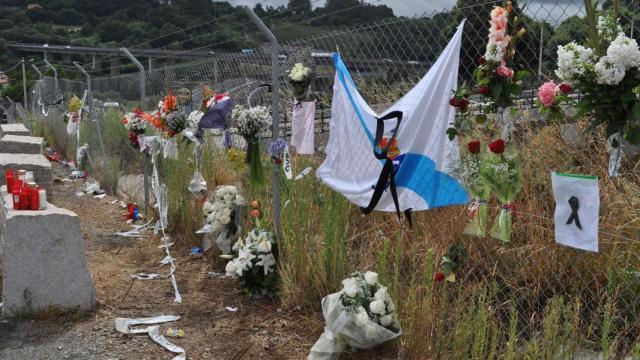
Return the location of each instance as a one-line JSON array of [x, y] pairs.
[[13, 129], [37, 163], [15, 144], [43, 261]]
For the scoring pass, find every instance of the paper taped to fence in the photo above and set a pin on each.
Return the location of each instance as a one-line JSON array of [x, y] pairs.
[[577, 210], [419, 159]]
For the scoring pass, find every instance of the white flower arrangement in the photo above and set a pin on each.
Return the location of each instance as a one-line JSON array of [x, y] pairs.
[[299, 73], [573, 62], [254, 263], [218, 213], [361, 315], [254, 250], [133, 122], [368, 302], [193, 120], [300, 78], [252, 121]]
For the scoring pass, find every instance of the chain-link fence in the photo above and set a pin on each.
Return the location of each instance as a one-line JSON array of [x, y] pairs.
[[387, 59]]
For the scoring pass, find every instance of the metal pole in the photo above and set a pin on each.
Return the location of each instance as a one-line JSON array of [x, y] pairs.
[[541, 49], [142, 74], [33, 105], [142, 96], [91, 110], [55, 78], [24, 85], [275, 108]]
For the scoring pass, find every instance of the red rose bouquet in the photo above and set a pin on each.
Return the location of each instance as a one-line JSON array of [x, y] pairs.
[[501, 172], [477, 188]]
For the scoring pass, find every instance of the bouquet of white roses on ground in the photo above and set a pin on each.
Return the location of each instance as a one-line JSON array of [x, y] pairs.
[[300, 78], [361, 315], [501, 172], [476, 187], [606, 73], [250, 122], [254, 262], [220, 214]]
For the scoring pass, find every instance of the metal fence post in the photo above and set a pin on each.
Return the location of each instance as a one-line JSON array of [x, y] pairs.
[[33, 101], [24, 85], [91, 110], [55, 80], [275, 109], [143, 83]]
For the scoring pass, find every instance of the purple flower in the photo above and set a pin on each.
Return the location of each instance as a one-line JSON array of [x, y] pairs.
[[276, 147]]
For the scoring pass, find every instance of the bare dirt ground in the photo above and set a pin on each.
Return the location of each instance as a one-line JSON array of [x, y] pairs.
[[257, 330]]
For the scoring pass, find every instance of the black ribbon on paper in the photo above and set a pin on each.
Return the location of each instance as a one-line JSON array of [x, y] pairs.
[[574, 203], [387, 175]]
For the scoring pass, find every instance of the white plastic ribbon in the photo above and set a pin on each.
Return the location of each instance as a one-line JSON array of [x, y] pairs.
[[124, 326], [170, 149], [161, 193]]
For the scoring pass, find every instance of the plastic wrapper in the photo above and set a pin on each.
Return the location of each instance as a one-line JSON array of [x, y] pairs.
[[342, 331], [73, 122], [614, 148], [197, 185], [477, 224], [170, 149]]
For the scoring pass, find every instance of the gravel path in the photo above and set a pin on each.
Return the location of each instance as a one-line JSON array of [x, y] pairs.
[[257, 330]]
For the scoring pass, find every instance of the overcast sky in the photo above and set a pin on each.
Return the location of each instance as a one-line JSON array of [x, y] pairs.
[[550, 10]]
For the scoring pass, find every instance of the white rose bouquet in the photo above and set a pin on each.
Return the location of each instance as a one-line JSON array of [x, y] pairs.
[[300, 78], [219, 212], [254, 262], [361, 315]]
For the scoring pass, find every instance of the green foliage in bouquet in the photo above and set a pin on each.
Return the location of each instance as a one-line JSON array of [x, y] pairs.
[[501, 172]]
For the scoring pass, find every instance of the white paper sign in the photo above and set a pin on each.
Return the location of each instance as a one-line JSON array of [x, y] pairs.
[[577, 210], [286, 163]]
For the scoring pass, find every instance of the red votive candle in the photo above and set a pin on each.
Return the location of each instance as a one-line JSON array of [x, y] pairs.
[[34, 197], [8, 174], [15, 192], [24, 198]]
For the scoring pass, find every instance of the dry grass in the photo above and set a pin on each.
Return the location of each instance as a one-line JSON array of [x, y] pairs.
[[525, 276]]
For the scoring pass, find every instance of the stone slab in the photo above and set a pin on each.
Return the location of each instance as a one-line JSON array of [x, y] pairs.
[[37, 163], [13, 129], [43, 261], [15, 144]]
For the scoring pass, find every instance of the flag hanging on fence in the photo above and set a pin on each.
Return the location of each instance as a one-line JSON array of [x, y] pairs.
[[217, 117], [402, 166]]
